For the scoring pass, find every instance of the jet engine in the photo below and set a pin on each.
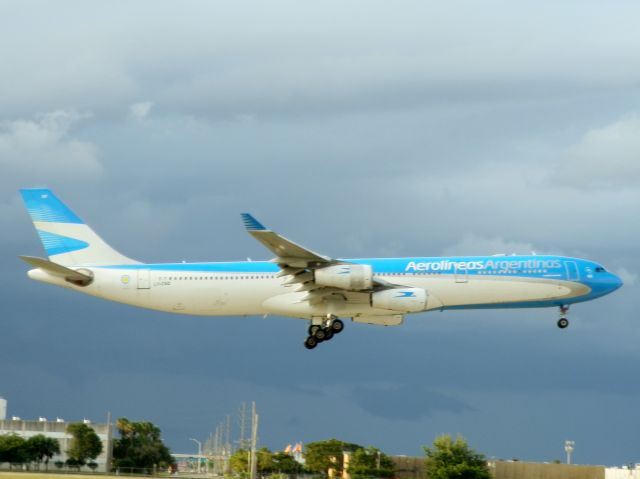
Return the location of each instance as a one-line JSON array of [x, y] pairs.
[[405, 300], [353, 277]]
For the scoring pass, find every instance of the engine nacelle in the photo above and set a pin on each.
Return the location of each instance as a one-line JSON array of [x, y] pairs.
[[406, 300], [354, 277]]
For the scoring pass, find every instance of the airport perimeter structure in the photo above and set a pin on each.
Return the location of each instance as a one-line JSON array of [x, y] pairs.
[[414, 468]]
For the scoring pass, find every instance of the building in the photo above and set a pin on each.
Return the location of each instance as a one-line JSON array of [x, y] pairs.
[[533, 470], [414, 468], [58, 430], [408, 467]]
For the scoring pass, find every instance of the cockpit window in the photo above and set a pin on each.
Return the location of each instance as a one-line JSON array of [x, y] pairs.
[[600, 269]]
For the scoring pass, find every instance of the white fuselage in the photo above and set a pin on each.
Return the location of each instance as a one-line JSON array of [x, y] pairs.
[[219, 293]]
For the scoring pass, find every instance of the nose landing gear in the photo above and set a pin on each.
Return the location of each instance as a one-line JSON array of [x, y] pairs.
[[323, 332], [563, 322]]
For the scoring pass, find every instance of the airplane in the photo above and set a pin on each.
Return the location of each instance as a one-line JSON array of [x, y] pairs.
[[301, 283]]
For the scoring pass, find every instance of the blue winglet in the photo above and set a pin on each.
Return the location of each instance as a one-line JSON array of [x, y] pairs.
[[251, 223]]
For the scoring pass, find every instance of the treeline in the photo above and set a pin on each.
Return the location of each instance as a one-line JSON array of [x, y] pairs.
[[139, 447], [447, 458], [35, 450], [319, 457], [85, 446]]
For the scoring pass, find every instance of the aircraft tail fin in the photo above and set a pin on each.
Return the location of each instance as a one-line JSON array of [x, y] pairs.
[[67, 239]]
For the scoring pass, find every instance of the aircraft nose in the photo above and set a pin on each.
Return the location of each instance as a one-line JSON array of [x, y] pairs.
[[615, 282]]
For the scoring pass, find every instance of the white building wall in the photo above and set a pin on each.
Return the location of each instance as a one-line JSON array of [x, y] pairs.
[[3, 409], [58, 430], [622, 473]]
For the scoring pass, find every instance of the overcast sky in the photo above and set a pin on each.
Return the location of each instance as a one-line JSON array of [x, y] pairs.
[[357, 129]]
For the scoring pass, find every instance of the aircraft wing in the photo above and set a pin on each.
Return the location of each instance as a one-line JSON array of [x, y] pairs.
[[287, 252], [300, 263]]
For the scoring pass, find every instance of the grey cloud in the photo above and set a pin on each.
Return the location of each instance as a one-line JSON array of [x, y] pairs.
[[140, 110], [327, 60], [42, 149], [607, 157], [406, 402], [472, 245], [357, 129]]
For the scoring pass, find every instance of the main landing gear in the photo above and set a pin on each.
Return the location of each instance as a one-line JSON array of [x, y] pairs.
[[323, 332], [563, 322]]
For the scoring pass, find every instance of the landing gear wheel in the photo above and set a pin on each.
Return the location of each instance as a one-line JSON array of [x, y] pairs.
[[563, 323], [310, 342], [313, 328], [320, 335], [328, 334], [337, 326]]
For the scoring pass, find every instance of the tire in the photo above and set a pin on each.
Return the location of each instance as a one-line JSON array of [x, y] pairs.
[[310, 342], [328, 334], [320, 335], [313, 328], [337, 326], [563, 323]]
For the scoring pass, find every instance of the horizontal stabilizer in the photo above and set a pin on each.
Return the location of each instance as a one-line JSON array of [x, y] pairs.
[[56, 269]]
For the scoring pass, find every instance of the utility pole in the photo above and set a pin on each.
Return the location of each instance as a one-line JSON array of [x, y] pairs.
[[254, 441], [243, 425], [219, 449], [109, 443], [208, 445], [228, 448]]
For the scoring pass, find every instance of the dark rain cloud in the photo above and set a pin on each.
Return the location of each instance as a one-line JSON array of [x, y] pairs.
[[407, 402], [357, 130]]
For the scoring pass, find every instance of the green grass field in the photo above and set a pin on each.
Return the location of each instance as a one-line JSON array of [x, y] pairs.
[[51, 475]]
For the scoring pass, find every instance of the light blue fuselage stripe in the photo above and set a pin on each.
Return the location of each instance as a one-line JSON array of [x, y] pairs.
[[431, 266]]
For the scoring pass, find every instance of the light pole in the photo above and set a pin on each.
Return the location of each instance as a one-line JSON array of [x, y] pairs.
[[568, 448], [199, 451]]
